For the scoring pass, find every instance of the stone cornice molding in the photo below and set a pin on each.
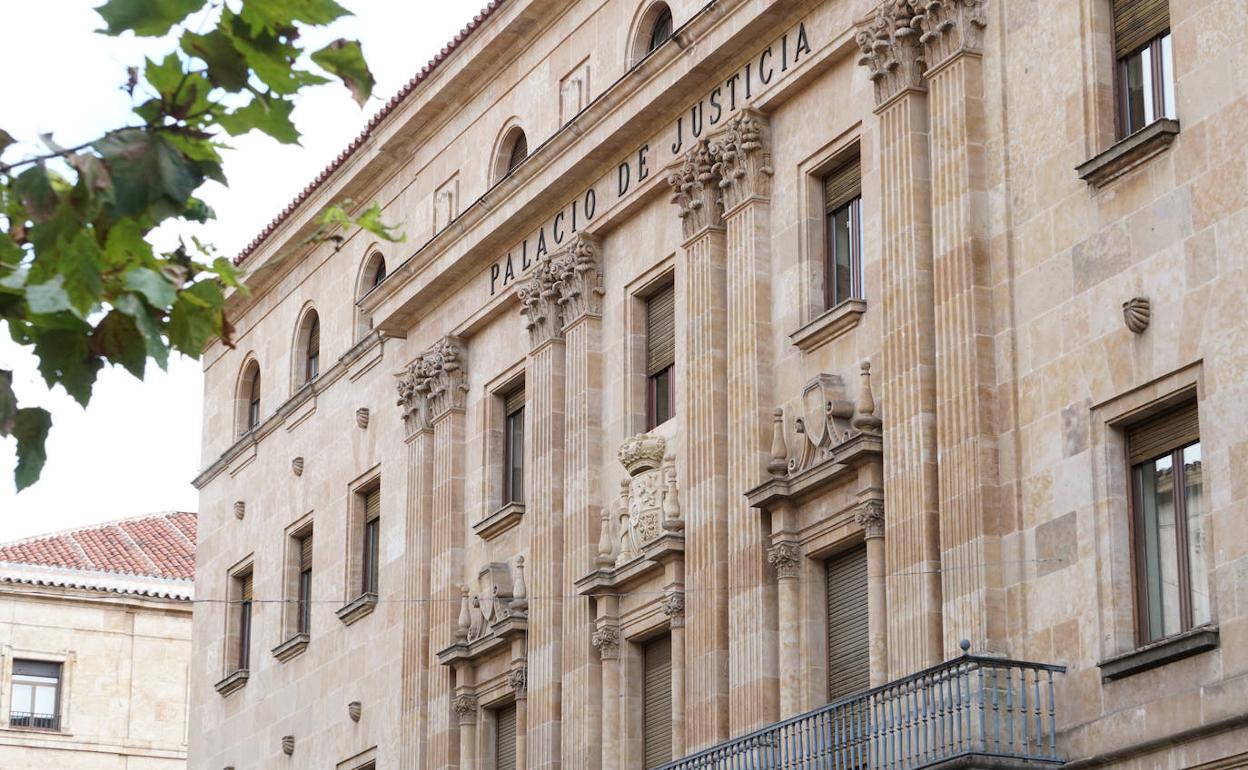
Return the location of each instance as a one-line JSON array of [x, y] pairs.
[[578, 279], [870, 516], [696, 191], [539, 304], [742, 158], [948, 28], [891, 51]]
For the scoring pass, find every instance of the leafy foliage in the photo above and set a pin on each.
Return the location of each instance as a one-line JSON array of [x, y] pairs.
[[80, 281]]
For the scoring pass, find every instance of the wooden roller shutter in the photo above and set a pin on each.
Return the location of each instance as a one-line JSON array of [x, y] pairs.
[[505, 738], [1170, 431], [657, 706], [372, 505], [513, 401], [660, 330], [305, 552], [245, 587], [1138, 21], [842, 185], [849, 662]]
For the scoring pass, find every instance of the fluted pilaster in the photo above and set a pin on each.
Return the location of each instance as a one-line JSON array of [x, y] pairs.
[[416, 654]]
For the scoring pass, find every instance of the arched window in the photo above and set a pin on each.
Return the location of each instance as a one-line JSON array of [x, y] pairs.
[[662, 29], [651, 30], [513, 148], [312, 363], [379, 272], [372, 273], [519, 151], [247, 413], [307, 359]]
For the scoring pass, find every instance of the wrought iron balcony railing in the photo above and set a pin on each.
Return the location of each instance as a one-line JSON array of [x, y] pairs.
[[34, 721], [968, 706]]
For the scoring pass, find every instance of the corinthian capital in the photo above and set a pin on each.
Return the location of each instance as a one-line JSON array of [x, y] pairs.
[[413, 403], [949, 27], [870, 516], [786, 559], [440, 377], [578, 279], [742, 153], [539, 305], [465, 707], [695, 190], [891, 50], [607, 641]]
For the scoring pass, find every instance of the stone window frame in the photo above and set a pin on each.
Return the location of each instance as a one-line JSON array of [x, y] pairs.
[[231, 648], [499, 515], [1121, 650], [504, 144], [66, 659], [498, 695], [299, 374], [819, 324], [638, 629], [642, 31], [365, 282], [636, 387], [358, 602], [248, 373], [293, 535], [365, 760]]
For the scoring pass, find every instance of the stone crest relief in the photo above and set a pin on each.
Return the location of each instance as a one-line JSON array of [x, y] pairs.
[[648, 504]]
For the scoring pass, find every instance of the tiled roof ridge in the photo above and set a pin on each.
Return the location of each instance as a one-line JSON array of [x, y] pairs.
[[169, 554], [373, 122]]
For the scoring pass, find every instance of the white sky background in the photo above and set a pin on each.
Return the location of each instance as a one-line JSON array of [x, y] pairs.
[[136, 448]]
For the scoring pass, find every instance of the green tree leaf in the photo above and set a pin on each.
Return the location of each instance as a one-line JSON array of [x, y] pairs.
[[65, 358], [48, 297], [8, 402], [226, 66], [272, 116], [146, 18], [117, 338], [266, 15], [154, 287], [345, 59], [155, 344], [146, 168], [6, 139], [80, 266], [30, 427]]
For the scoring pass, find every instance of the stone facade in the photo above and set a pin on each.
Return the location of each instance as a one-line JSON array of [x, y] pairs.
[[961, 419]]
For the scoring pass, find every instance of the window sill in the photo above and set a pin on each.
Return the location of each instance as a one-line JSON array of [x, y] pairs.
[[291, 647], [830, 325], [1129, 152], [499, 521], [234, 681], [357, 608], [1184, 645]]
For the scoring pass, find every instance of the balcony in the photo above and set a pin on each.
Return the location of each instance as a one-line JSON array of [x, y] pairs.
[[969, 712], [34, 721]]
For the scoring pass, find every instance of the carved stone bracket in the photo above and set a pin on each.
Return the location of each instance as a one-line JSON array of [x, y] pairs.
[[870, 516], [786, 559], [742, 155], [674, 608], [949, 27], [465, 708], [607, 641], [434, 385], [696, 191], [518, 679], [649, 504], [891, 50]]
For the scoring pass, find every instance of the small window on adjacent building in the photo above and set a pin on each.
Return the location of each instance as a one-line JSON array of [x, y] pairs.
[[660, 357], [842, 190], [371, 541], [513, 446], [657, 702], [505, 737], [1170, 525], [1145, 76], [242, 620], [849, 661], [35, 698], [661, 30], [303, 619]]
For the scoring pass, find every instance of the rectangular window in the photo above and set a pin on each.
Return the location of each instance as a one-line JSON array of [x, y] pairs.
[[513, 447], [842, 191], [660, 357], [849, 661], [243, 586], [505, 738], [1170, 525], [1145, 76], [303, 623], [35, 698], [371, 541], [657, 702]]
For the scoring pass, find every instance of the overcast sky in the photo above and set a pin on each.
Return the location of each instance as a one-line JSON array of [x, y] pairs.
[[136, 448]]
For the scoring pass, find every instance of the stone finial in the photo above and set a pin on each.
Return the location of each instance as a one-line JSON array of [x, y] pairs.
[[870, 516], [353, 710], [949, 27], [672, 522], [742, 155], [464, 621], [674, 608], [642, 452], [606, 552], [296, 465], [361, 417], [465, 708], [786, 558], [779, 463], [540, 306], [518, 678], [578, 279], [288, 744], [1137, 312], [695, 190], [891, 51], [519, 592], [240, 509], [864, 410], [607, 641]]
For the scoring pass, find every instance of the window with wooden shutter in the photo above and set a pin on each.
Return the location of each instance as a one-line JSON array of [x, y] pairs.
[[657, 702], [849, 663], [372, 541], [513, 446], [842, 198], [1136, 22], [505, 738], [1145, 69], [244, 619], [304, 620], [661, 357]]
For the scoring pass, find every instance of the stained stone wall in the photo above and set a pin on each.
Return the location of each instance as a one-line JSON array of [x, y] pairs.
[[979, 453]]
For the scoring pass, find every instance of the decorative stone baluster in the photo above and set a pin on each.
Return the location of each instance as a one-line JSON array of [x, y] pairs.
[[465, 616], [519, 591]]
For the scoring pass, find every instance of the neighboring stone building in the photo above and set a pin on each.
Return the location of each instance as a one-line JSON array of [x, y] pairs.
[[95, 646], [750, 356]]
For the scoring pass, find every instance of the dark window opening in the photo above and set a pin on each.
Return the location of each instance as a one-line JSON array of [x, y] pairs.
[[519, 151], [244, 621], [372, 542], [843, 276], [513, 448], [661, 31], [253, 400], [379, 274], [660, 357], [312, 360], [303, 623]]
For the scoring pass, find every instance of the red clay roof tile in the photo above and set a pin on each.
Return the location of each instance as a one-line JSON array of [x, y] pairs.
[[162, 545]]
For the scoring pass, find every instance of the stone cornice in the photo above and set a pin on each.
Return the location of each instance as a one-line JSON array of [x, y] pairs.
[[695, 190], [891, 51], [948, 28], [742, 155]]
